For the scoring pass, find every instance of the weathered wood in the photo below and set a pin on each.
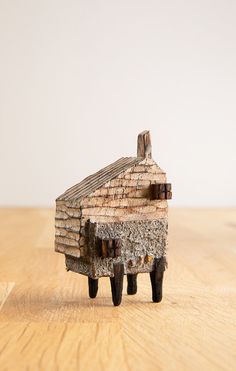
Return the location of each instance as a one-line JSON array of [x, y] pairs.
[[93, 287], [68, 250], [82, 241], [112, 211], [148, 259], [132, 284], [97, 180], [104, 249], [162, 187], [117, 252], [158, 213], [168, 195], [156, 277], [98, 247], [115, 203], [61, 215], [168, 187], [117, 247], [144, 147], [160, 191], [143, 168], [117, 243], [65, 233], [162, 195], [66, 214], [111, 253], [72, 225], [134, 182], [110, 248], [141, 177], [66, 241], [117, 283], [72, 212], [154, 191]]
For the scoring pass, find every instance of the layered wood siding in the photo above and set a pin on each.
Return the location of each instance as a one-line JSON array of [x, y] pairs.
[[124, 198], [127, 196], [68, 226]]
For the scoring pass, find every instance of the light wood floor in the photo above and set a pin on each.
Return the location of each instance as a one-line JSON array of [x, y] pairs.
[[47, 321]]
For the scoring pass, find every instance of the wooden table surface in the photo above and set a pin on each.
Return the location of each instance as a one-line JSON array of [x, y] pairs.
[[47, 321]]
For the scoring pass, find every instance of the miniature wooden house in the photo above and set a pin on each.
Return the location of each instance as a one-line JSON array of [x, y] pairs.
[[115, 222]]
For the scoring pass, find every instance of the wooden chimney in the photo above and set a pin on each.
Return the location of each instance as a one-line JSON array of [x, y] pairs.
[[144, 146]]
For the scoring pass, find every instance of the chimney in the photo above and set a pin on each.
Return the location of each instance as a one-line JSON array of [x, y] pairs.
[[144, 147]]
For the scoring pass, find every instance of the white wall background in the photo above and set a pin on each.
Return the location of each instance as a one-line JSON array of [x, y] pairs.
[[80, 78]]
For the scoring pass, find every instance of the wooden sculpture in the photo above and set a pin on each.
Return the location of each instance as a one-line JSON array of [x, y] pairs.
[[115, 222]]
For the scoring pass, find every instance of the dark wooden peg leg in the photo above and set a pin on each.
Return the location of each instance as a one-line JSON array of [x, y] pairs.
[[93, 287], [157, 279], [117, 283], [132, 284]]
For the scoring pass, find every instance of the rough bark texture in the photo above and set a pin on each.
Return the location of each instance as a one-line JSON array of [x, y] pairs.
[[93, 287], [140, 242], [117, 283], [124, 198], [144, 148], [132, 284], [120, 209], [156, 277]]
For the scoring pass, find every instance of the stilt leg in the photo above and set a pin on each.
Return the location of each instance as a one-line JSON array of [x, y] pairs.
[[117, 283], [157, 278], [93, 287], [132, 284]]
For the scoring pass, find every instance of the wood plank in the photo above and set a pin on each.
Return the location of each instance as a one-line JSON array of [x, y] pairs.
[[122, 202], [67, 241], [159, 213], [97, 180], [67, 249], [144, 147], [120, 212]]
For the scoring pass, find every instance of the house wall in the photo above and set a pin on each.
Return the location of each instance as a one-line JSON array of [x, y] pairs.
[[125, 198], [141, 241], [68, 227]]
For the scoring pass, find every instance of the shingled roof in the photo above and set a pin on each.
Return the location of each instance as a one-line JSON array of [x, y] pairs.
[[97, 180]]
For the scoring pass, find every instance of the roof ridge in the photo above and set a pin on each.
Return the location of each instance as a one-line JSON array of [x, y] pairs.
[[96, 180], [89, 177]]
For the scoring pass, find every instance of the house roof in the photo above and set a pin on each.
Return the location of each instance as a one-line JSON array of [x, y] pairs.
[[97, 180]]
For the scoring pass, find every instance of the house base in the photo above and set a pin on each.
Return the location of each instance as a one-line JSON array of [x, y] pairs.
[[116, 279]]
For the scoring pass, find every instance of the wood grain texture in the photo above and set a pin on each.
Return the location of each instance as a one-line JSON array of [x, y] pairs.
[[144, 147], [96, 180], [47, 321], [110, 199]]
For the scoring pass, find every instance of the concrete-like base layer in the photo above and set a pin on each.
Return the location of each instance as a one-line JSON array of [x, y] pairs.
[[141, 242]]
